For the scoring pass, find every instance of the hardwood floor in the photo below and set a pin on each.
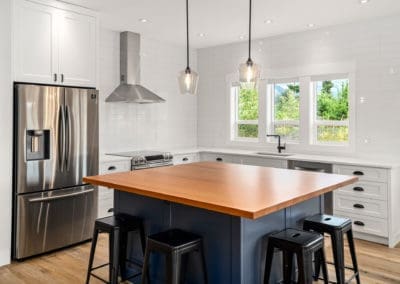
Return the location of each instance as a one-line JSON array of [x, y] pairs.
[[377, 263]]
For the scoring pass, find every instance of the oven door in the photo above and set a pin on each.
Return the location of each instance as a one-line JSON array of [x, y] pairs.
[[50, 220]]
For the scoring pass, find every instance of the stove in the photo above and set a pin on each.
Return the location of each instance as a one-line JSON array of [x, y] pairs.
[[147, 159]]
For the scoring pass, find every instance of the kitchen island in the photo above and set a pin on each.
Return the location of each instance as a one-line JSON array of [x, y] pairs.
[[232, 206]]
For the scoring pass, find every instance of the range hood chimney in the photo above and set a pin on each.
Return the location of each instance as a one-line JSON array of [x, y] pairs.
[[130, 90]]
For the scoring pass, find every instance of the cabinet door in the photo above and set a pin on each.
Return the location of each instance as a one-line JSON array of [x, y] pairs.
[[35, 43], [77, 49]]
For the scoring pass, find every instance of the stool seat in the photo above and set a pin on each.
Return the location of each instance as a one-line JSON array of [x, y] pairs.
[[336, 227], [125, 222], [174, 244], [325, 223], [292, 242], [297, 238], [175, 238]]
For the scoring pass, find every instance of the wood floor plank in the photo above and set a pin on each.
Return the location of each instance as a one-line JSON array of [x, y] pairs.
[[378, 265]]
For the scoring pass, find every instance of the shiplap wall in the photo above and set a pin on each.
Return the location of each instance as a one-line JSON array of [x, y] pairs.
[[125, 127], [6, 131], [374, 48]]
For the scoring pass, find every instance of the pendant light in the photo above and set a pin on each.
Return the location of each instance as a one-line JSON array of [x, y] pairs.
[[249, 72], [188, 78]]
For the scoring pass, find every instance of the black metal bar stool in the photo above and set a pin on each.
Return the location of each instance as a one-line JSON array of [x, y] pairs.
[[117, 227], [336, 227], [174, 244], [301, 243]]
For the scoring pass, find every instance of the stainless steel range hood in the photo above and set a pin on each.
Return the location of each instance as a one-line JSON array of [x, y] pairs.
[[130, 90]]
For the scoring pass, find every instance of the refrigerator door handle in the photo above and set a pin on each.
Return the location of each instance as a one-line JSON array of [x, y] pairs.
[[67, 137], [50, 198], [61, 138]]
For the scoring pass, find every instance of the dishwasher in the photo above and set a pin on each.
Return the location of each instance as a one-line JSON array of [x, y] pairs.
[[315, 167]]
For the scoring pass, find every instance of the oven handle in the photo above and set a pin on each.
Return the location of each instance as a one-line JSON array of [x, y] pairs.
[[43, 199]]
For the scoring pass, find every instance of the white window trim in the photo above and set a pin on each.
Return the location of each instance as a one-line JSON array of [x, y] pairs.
[[304, 74]]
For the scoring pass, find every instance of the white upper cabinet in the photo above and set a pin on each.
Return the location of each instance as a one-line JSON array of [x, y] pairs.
[[36, 58], [54, 45], [77, 39]]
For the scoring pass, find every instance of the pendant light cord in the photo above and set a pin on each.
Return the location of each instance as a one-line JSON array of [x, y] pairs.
[[250, 30], [187, 34]]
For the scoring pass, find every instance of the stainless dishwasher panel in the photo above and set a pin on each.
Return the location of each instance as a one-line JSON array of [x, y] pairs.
[[316, 167], [54, 219]]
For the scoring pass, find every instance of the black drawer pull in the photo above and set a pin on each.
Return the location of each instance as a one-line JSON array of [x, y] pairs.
[[359, 206], [185, 159], [112, 168], [358, 188], [358, 173], [219, 159], [359, 223], [111, 210]]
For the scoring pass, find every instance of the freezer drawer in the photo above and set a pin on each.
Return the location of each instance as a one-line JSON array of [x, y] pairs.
[[54, 219]]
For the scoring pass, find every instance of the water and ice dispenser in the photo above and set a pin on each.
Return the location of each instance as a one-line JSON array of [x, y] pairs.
[[37, 144]]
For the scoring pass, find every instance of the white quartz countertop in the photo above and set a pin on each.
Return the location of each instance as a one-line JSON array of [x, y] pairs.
[[341, 160]]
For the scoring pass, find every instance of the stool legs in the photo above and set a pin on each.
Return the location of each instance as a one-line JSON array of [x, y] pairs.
[[288, 267], [338, 256], [92, 252], [145, 271], [203, 261], [304, 263], [173, 268], [353, 254], [268, 263], [114, 256]]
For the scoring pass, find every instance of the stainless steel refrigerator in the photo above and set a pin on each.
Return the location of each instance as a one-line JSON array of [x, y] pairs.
[[55, 145]]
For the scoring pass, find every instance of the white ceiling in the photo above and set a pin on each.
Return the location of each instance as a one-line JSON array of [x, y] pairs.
[[223, 21]]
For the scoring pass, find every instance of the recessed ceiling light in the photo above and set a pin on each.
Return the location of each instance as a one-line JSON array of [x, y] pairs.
[[201, 34], [268, 21], [143, 20], [242, 37], [311, 25], [364, 1]]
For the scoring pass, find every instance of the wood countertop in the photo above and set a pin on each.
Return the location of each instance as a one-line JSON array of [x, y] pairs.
[[238, 190]]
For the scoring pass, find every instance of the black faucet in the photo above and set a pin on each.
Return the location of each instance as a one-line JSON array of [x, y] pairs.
[[280, 147]]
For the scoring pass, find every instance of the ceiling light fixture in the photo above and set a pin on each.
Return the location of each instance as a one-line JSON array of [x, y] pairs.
[[143, 20], [249, 72], [311, 25], [242, 37], [364, 1], [188, 78], [268, 21], [201, 34]]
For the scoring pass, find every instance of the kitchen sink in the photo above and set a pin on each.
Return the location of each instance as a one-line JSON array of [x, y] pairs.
[[274, 154]]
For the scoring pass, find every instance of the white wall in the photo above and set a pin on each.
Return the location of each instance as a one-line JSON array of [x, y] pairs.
[[6, 131], [169, 125], [373, 46]]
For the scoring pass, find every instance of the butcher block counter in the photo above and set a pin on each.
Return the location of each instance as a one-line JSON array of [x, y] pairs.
[[232, 206]]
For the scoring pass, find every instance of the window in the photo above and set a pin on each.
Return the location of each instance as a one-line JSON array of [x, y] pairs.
[[331, 111], [284, 109], [245, 109]]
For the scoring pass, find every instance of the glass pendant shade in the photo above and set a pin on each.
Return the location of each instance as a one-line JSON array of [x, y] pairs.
[[249, 74], [188, 81]]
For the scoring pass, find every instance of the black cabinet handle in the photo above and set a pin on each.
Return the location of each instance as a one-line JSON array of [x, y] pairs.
[[359, 206], [185, 159], [110, 210], [219, 159], [358, 188], [55, 77], [112, 168], [359, 223], [62, 78], [358, 173]]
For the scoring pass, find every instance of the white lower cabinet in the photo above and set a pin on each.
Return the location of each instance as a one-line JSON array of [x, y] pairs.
[[264, 162], [106, 195], [185, 158], [220, 157], [243, 159], [368, 203]]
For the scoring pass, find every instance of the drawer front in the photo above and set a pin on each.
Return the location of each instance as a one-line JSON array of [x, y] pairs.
[[225, 158], [364, 224], [361, 206], [185, 159], [363, 173], [366, 189], [264, 162], [115, 167]]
